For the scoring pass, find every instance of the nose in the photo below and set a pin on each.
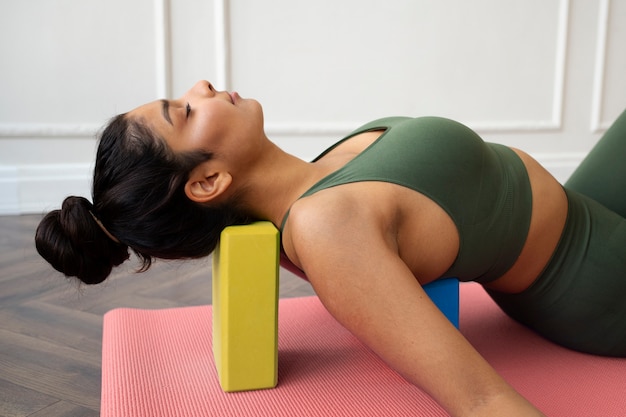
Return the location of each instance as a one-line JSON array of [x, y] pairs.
[[202, 88]]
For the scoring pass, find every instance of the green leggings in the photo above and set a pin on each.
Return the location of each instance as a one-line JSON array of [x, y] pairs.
[[579, 300]]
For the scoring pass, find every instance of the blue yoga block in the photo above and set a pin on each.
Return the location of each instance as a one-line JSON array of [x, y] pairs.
[[445, 294]]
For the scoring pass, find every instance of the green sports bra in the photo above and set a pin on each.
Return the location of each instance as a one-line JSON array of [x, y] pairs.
[[484, 187]]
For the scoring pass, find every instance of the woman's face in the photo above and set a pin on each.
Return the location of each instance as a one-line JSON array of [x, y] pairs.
[[204, 118]]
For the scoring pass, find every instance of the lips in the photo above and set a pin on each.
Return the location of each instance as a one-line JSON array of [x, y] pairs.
[[234, 96]]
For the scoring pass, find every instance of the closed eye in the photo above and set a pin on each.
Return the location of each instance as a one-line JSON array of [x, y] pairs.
[[188, 110]]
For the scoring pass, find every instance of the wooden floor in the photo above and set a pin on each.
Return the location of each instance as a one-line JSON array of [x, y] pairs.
[[51, 329]]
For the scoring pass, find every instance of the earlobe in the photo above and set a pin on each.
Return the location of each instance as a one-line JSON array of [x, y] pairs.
[[207, 189]]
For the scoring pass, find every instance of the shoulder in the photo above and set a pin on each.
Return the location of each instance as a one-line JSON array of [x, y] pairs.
[[317, 218], [332, 224]]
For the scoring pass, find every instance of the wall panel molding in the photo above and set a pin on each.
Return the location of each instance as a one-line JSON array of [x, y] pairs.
[[552, 123], [163, 48], [560, 67], [597, 125], [163, 87], [222, 45], [51, 130], [340, 128]]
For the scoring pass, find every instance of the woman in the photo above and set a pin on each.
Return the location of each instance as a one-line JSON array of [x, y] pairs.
[[397, 204]]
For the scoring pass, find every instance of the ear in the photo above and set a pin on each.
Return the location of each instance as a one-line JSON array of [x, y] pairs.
[[206, 184]]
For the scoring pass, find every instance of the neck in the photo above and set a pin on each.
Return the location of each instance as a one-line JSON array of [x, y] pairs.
[[276, 181]]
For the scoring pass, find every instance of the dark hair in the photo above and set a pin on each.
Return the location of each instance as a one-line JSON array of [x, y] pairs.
[[138, 195]]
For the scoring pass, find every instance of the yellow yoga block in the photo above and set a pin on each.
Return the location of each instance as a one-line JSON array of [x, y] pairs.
[[245, 307]]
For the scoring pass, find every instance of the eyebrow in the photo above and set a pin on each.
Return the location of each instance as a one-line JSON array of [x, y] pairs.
[[165, 110]]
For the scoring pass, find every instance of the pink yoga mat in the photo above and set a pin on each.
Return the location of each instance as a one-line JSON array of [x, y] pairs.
[[159, 363]]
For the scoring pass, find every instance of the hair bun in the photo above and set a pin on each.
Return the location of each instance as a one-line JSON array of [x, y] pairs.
[[73, 243]]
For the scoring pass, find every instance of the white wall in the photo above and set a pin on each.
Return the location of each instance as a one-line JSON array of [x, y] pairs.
[[542, 75]]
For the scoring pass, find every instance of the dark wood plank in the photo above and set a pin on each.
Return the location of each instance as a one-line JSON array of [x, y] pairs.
[[64, 409], [62, 372], [51, 328], [17, 401], [56, 324]]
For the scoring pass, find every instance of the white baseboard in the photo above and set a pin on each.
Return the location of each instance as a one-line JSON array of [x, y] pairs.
[[40, 188]]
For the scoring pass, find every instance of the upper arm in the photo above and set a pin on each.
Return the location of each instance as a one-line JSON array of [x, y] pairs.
[[359, 277]]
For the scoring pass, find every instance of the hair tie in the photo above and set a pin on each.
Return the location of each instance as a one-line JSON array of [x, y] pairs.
[[104, 229]]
